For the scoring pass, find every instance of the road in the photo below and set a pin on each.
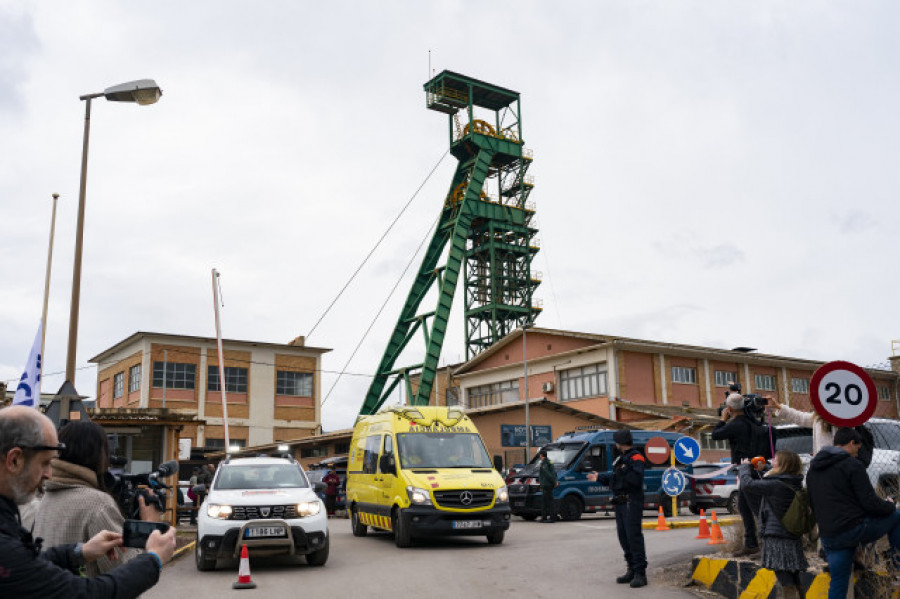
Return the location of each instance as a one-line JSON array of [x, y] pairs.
[[575, 559]]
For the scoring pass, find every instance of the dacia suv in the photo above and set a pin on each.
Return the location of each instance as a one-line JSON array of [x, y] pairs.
[[266, 504]]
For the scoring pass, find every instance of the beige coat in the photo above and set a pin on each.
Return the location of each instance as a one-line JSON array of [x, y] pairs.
[[73, 510], [823, 433]]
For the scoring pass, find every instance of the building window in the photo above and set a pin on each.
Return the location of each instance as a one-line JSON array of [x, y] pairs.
[[884, 392], [681, 374], [764, 382], [587, 381], [298, 384], [314, 452], [490, 395], [707, 442], [178, 376], [220, 443], [451, 396], [340, 448], [134, 378], [800, 385], [235, 379], [119, 384], [725, 378]]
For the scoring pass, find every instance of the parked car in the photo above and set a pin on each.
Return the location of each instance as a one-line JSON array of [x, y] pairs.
[[267, 504], [720, 491]]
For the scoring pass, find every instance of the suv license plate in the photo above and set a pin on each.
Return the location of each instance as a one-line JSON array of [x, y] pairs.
[[467, 524], [263, 531]]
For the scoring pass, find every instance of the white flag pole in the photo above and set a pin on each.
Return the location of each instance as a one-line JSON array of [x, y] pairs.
[[215, 284], [47, 282]]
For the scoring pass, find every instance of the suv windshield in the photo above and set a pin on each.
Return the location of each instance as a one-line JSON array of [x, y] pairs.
[[260, 476], [442, 450], [562, 454]]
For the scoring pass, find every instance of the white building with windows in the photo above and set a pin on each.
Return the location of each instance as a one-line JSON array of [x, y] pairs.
[[273, 390]]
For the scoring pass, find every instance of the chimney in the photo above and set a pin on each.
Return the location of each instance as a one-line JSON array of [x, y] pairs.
[[299, 340]]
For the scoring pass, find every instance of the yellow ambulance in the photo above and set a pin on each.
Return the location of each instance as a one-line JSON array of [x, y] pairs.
[[424, 471]]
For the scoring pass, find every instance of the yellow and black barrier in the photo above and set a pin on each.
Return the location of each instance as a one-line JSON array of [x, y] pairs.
[[747, 580]]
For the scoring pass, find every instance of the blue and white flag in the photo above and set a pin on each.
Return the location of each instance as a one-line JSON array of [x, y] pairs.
[[28, 393]]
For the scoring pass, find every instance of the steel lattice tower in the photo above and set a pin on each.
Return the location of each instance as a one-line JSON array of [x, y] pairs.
[[485, 226]]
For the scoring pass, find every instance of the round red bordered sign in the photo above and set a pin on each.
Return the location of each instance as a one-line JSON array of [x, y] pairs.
[[657, 450], [843, 394]]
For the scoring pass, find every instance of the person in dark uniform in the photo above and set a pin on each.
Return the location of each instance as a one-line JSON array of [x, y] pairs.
[[548, 482], [627, 485]]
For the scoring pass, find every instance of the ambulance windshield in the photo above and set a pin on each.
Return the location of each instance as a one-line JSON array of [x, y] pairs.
[[442, 450]]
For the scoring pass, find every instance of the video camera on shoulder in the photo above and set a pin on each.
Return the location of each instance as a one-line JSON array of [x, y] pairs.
[[753, 406], [126, 488]]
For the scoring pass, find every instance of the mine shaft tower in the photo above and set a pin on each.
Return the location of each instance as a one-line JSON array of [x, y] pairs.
[[485, 221]]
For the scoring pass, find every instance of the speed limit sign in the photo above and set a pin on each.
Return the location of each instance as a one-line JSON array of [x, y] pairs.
[[843, 394]]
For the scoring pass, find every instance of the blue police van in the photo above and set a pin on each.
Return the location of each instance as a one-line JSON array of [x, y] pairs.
[[574, 455]]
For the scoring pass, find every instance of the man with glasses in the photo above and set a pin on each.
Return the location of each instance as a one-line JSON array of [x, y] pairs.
[[847, 510], [28, 444]]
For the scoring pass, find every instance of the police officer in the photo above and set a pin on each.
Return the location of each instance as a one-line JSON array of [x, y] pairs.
[[627, 484], [548, 482]]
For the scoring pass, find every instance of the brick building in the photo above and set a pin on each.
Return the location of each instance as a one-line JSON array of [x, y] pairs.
[[273, 390]]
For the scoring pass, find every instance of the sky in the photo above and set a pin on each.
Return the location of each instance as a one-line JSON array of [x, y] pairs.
[[709, 173]]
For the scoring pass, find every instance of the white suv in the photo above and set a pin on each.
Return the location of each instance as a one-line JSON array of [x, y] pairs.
[[266, 504]]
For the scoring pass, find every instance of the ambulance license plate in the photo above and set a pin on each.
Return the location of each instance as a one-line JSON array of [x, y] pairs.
[[263, 531], [467, 524]]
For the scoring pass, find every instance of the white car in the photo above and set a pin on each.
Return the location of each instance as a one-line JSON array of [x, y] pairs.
[[266, 504]]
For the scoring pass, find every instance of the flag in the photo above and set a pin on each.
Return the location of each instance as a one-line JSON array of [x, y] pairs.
[[28, 393]]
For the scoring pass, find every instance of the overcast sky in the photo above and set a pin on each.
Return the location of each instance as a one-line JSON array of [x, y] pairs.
[[709, 173]]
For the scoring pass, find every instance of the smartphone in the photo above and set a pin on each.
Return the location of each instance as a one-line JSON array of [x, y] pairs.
[[136, 532]]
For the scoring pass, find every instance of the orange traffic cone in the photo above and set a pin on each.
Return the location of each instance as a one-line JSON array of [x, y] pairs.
[[243, 581], [703, 529], [715, 537], [661, 521]]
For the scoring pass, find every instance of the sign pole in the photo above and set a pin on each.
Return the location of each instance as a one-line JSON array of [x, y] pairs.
[[674, 497]]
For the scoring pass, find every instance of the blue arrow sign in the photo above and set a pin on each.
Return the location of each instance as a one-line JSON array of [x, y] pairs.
[[673, 481], [687, 450]]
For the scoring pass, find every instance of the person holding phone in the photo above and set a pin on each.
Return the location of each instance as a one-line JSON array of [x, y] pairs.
[[76, 504], [28, 444]]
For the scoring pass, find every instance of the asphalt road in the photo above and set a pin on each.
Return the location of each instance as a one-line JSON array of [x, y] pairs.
[[564, 559]]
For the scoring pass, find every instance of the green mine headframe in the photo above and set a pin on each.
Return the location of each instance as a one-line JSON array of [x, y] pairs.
[[486, 221]]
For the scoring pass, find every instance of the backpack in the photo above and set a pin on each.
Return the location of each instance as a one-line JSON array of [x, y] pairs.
[[798, 519]]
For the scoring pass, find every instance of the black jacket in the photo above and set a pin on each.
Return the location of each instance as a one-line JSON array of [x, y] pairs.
[[840, 492], [547, 475], [627, 477], [26, 571], [738, 433], [777, 493]]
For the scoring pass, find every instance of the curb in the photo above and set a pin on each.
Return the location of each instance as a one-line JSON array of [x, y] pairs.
[[723, 521], [189, 547], [747, 580]]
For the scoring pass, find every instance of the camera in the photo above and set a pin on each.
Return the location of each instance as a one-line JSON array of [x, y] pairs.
[[755, 406], [136, 532], [126, 488]]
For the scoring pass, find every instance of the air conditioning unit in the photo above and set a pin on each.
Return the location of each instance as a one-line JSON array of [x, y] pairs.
[[548, 387]]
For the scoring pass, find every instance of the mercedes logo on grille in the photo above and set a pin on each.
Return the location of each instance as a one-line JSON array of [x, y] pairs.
[[264, 511], [466, 497]]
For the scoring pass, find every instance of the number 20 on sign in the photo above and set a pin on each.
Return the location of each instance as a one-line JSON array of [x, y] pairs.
[[843, 394]]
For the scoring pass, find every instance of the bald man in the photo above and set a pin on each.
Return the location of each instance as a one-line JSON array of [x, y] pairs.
[[27, 445]]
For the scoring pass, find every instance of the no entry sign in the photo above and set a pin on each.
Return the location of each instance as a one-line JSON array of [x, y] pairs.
[[843, 394], [657, 450]]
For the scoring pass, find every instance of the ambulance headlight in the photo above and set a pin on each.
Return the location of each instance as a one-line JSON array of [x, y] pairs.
[[215, 510], [308, 508], [418, 496], [503, 495]]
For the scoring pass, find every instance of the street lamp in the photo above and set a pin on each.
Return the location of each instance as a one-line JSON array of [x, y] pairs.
[[142, 92], [525, 328]]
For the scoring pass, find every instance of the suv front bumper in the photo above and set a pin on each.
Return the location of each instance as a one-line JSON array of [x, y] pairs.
[[295, 540]]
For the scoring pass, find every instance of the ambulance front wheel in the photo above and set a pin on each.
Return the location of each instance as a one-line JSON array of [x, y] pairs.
[[359, 529], [402, 534], [496, 537]]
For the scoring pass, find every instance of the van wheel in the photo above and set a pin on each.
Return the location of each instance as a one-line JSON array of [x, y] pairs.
[[402, 536], [528, 517], [496, 537], [359, 529], [204, 564], [318, 558], [571, 508], [733, 503]]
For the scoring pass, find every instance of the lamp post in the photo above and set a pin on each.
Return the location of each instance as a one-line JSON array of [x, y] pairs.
[[142, 92], [525, 328]]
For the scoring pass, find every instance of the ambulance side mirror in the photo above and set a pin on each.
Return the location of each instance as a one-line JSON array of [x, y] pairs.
[[498, 463]]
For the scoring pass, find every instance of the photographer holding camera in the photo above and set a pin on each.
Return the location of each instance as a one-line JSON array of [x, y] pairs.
[[28, 444], [737, 428], [77, 504]]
